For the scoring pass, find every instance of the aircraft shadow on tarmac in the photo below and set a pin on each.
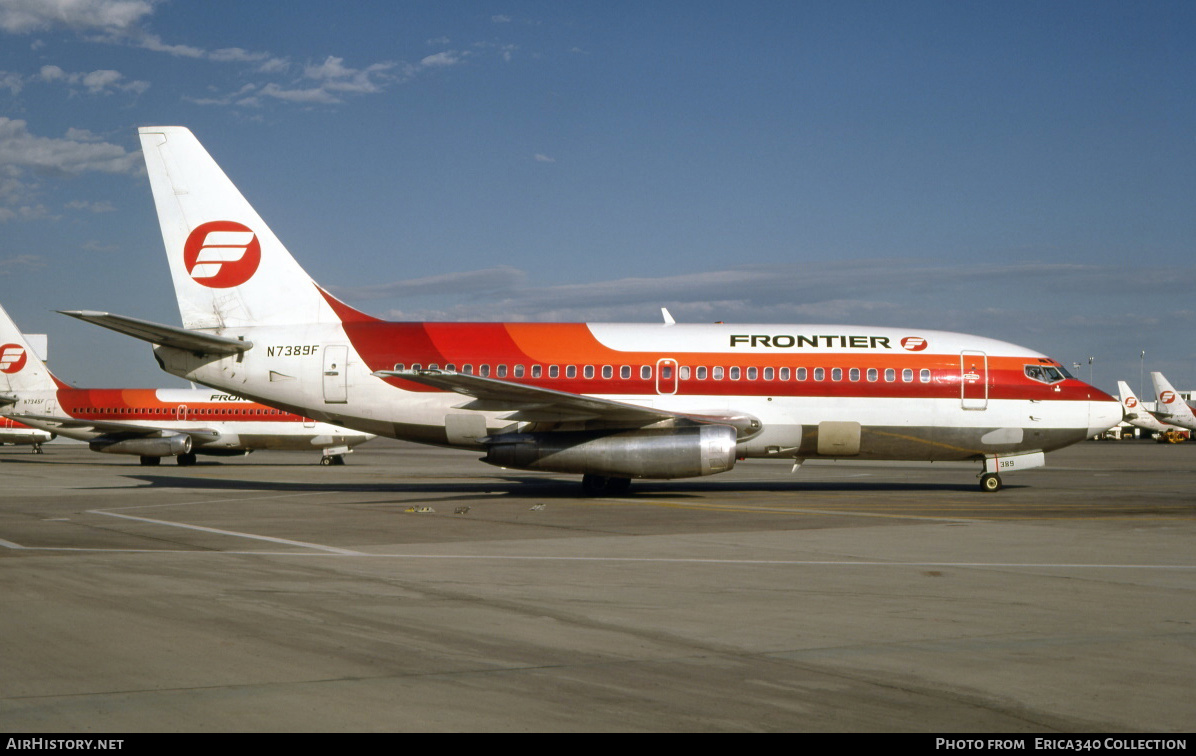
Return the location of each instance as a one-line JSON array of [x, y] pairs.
[[552, 488]]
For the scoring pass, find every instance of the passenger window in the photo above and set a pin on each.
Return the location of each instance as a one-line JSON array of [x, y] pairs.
[[701, 372], [608, 372], [752, 373], [890, 375], [769, 374], [735, 373], [625, 372], [836, 374], [683, 372], [484, 371], [588, 371], [537, 371], [873, 374], [501, 371], [646, 373], [784, 374], [853, 374], [819, 374], [907, 375], [718, 373], [519, 371], [924, 375], [554, 371]]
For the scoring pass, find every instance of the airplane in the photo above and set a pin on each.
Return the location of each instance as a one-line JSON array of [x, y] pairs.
[[1136, 414], [1171, 407], [611, 402], [152, 423], [12, 432]]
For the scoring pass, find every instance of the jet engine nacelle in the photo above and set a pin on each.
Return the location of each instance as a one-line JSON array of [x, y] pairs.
[[161, 446], [652, 453]]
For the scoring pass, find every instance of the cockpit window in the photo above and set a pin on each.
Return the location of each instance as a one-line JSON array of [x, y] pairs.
[[1045, 373]]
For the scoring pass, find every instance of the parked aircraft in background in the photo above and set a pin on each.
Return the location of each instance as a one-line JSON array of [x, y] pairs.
[[1136, 414], [153, 423], [610, 402], [12, 432], [1170, 407]]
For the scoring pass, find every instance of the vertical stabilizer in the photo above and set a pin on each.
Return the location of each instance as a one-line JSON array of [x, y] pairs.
[[1171, 404], [229, 268], [21, 370]]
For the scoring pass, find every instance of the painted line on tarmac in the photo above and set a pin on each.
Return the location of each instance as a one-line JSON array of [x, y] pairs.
[[234, 533]]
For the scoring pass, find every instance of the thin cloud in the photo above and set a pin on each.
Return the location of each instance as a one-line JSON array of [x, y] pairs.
[[500, 279], [25, 16], [102, 82], [23, 156]]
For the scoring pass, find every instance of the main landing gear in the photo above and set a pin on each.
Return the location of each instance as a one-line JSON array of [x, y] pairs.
[[601, 485], [332, 459]]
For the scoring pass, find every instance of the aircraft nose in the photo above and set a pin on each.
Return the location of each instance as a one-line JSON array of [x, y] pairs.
[[1103, 414]]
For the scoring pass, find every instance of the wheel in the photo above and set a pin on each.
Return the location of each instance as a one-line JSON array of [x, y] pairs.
[[600, 485], [186, 460], [325, 461], [593, 485], [150, 461], [618, 485], [990, 482]]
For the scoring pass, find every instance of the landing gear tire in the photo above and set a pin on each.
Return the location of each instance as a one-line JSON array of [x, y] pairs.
[[990, 482], [150, 461], [186, 460], [601, 485], [333, 459]]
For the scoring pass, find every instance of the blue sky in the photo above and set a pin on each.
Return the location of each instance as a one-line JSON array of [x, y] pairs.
[[1025, 171]]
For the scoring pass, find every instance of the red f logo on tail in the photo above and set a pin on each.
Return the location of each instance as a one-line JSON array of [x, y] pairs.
[[222, 254], [12, 358]]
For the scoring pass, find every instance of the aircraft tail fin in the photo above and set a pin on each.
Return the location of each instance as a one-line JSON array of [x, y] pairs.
[[228, 267], [20, 367], [1169, 400]]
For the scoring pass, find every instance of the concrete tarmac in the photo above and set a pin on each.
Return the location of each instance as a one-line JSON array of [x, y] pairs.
[[418, 589]]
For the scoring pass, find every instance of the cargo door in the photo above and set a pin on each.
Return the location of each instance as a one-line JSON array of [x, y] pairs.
[[336, 387]]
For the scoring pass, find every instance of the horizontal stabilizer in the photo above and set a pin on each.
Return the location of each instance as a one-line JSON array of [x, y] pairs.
[[163, 335], [133, 430]]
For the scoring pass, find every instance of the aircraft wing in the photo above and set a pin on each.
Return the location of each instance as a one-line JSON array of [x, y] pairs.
[[536, 404], [53, 422], [164, 335]]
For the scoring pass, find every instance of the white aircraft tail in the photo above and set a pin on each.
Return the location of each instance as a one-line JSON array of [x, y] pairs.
[[21, 370], [1129, 401], [1170, 402], [229, 268]]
